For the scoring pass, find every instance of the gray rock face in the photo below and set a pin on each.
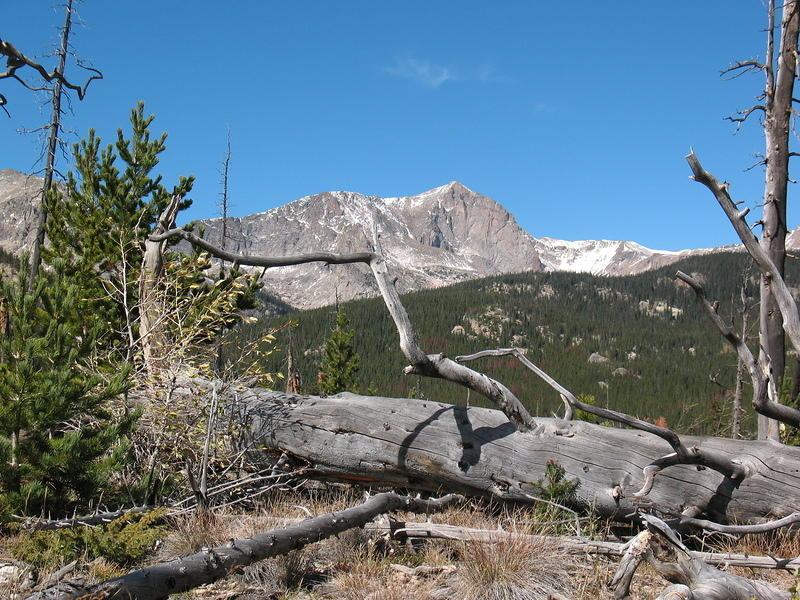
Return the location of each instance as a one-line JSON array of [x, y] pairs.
[[436, 238], [19, 206], [440, 237]]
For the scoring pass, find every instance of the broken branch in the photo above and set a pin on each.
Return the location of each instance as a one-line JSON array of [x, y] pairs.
[[764, 392], [16, 60], [717, 461]]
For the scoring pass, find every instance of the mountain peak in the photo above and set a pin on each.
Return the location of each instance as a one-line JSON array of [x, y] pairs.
[[453, 186]]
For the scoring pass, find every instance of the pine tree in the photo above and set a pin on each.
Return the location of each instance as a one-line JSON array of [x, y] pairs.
[[100, 224], [338, 370], [59, 437]]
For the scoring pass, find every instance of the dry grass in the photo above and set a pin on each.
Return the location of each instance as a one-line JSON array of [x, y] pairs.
[[370, 578], [513, 569], [355, 566]]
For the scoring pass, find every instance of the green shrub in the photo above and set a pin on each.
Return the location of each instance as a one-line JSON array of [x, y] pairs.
[[123, 541]]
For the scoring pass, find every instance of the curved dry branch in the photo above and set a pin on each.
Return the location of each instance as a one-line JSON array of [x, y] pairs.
[[430, 365], [717, 461], [764, 392], [743, 115], [783, 296], [176, 576], [791, 519], [740, 68], [16, 60]]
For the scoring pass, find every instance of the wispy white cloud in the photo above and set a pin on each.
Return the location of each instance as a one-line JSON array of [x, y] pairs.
[[422, 71], [487, 73]]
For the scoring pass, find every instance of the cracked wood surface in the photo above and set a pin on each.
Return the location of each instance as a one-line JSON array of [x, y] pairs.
[[429, 445]]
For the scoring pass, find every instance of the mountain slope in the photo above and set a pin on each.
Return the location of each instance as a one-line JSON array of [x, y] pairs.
[[437, 238], [19, 204]]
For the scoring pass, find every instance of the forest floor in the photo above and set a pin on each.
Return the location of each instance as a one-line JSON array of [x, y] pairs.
[[360, 566]]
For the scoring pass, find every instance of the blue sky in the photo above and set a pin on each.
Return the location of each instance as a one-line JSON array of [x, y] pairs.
[[575, 116]]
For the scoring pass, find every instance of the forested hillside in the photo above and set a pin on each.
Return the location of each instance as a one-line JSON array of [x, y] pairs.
[[662, 351]]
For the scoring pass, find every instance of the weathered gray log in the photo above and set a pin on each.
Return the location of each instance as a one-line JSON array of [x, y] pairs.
[[573, 544], [433, 446], [173, 577]]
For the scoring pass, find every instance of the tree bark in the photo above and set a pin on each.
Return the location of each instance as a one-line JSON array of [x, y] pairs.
[[433, 446], [777, 116], [151, 329]]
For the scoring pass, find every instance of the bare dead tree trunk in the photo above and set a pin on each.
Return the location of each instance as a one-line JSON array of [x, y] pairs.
[[223, 201], [428, 445], [151, 330], [777, 115], [779, 74], [292, 375], [173, 577], [53, 139]]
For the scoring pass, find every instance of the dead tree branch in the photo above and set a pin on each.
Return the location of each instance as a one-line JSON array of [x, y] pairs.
[[33, 524], [740, 68], [682, 455], [764, 392], [743, 115], [407, 530], [694, 578], [429, 365], [176, 576], [16, 60], [742, 529]]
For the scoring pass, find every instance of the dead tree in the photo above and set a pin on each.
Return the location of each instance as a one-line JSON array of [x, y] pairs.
[[224, 200], [152, 335], [779, 69], [55, 84]]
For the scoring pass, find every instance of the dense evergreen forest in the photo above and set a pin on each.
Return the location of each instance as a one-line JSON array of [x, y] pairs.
[[665, 359]]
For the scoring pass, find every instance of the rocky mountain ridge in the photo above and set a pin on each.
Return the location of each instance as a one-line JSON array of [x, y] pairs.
[[436, 238]]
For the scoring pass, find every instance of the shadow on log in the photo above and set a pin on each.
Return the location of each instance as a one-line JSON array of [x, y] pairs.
[[432, 446]]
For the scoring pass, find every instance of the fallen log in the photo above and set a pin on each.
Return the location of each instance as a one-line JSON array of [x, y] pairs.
[[431, 446], [573, 544], [211, 564], [427, 445], [37, 524]]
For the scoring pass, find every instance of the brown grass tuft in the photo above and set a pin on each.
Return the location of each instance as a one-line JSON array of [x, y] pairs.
[[512, 569]]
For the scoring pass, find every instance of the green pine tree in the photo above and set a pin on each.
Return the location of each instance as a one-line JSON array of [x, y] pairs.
[[339, 368], [99, 224], [59, 437]]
